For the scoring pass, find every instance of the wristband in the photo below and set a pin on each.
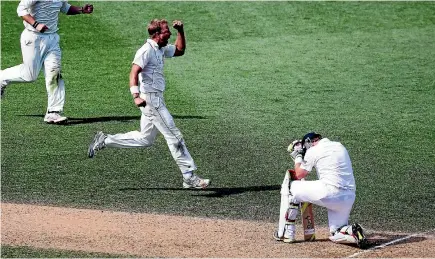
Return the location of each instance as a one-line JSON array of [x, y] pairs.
[[298, 160], [35, 24], [134, 89]]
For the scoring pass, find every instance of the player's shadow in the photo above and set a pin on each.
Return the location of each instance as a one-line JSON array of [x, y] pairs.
[[214, 192], [75, 121], [377, 240], [315, 241]]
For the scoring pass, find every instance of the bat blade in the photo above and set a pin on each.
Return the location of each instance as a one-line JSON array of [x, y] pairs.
[[308, 221]]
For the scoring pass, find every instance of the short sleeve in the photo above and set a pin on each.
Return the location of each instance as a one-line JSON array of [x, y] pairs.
[[141, 58], [169, 51], [24, 7], [65, 7]]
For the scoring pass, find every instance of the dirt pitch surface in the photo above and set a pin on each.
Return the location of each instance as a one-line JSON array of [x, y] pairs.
[[150, 235]]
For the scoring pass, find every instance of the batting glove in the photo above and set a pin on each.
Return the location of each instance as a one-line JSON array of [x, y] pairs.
[[295, 149]]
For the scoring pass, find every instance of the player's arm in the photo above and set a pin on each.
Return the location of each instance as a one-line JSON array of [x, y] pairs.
[[23, 11], [86, 9], [180, 42], [134, 85], [38, 26], [296, 152], [300, 173], [304, 164]]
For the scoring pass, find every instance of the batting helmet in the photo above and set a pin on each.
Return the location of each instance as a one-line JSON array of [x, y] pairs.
[[307, 140]]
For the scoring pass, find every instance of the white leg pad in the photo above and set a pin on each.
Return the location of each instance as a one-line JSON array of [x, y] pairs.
[[285, 191], [292, 211]]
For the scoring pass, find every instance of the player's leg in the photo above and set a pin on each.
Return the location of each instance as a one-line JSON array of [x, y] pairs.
[[338, 216], [309, 191], [54, 82], [174, 139], [339, 204], [304, 191], [143, 138], [290, 227], [289, 209], [32, 51]]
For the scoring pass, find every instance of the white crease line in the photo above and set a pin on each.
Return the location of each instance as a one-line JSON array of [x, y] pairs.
[[390, 243]]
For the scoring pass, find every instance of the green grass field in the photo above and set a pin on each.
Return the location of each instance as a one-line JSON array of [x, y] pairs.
[[256, 75]]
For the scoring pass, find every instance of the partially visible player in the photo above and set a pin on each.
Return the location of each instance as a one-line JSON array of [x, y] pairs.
[[40, 48], [147, 70], [334, 189]]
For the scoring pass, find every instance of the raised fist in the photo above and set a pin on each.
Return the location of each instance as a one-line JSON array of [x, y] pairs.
[[88, 8], [178, 25]]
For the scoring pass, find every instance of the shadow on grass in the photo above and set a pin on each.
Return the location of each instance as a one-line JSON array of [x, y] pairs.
[[214, 192], [74, 121]]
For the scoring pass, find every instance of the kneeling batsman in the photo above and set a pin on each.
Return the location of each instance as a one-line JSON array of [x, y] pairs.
[[334, 189]]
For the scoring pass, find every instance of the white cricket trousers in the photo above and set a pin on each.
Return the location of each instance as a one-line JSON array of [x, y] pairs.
[[337, 201], [39, 49], [155, 117]]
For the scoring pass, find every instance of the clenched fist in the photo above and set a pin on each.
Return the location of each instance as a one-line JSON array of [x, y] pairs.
[[178, 25], [139, 102], [88, 8], [41, 27]]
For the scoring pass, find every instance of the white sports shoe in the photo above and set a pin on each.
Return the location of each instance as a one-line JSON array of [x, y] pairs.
[[359, 235], [287, 238], [195, 182], [55, 118], [350, 234], [97, 143], [277, 237]]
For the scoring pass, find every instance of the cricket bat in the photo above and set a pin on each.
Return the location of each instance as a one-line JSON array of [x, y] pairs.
[[308, 221]]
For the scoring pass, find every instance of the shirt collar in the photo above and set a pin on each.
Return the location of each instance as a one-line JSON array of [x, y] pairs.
[[153, 43]]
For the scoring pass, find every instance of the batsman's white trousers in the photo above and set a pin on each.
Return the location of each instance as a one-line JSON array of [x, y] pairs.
[[155, 117], [40, 49], [338, 201]]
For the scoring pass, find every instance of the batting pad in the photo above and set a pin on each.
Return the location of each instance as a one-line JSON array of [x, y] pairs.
[[285, 192]]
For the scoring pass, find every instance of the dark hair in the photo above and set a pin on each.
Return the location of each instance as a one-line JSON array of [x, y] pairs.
[[155, 26]]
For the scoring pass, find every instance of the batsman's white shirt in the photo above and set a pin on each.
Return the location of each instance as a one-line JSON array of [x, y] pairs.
[[332, 163], [151, 59], [46, 12], [335, 189]]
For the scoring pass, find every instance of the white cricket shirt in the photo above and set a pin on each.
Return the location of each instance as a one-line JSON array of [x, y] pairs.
[[151, 59], [332, 163], [46, 12]]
